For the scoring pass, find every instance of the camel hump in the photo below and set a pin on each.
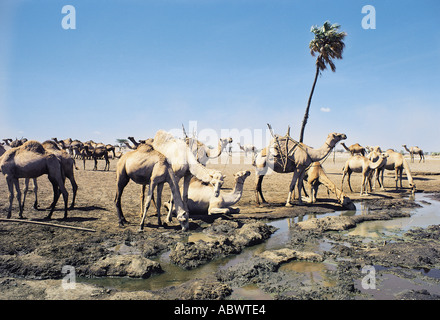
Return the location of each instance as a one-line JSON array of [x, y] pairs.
[[51, 144], [34, 146], [162, 137], [145, 147]]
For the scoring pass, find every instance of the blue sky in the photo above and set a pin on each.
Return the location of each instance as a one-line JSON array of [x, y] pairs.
[[133, 67]]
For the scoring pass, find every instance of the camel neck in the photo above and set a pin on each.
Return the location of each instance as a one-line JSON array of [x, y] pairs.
[[234, 196], [318, 154]]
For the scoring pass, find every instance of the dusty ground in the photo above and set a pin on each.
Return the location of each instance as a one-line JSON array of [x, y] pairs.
[[32, 256]]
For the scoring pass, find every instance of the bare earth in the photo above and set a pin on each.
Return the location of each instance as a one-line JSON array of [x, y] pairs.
[[32, 256]]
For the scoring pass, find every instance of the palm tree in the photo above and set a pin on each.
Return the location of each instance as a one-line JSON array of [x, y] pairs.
[[328, 44]]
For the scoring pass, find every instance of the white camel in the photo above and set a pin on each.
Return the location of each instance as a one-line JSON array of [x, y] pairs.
[[184, 163], [203, 153], [247, 148], [202, 199]]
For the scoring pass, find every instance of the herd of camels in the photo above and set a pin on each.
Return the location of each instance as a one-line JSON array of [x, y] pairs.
[[166, 159]]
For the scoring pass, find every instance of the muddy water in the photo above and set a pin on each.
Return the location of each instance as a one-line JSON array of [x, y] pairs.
[[311, 273], [428, 214]]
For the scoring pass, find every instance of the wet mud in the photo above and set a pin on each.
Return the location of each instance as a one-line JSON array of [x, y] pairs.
[[318, 258]]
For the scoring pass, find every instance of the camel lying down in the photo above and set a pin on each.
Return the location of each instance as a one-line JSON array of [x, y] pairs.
[[202, 197]]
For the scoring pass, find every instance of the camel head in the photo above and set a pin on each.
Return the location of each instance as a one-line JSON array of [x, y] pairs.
[[241, 176], [334, 138], [346, 202], [224, 142], [183, 218], [217, 179]]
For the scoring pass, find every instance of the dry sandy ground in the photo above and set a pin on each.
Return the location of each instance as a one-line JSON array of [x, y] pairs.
[[95, 202]]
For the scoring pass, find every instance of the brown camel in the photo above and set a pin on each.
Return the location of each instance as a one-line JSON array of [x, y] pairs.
[[315, 176], [32, 160], [396, 162], [413, 151], [285, 155], [354, 149], [98, 152], [68, 165], [148, 166]]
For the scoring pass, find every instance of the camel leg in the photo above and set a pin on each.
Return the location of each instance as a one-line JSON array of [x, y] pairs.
[[300, 185], [11, 195], [107, 163], [35, 193], [20, 205], [96, 164], [349, 182], [400, 177], [364, 185], [74, 190], [396, 177], [258, 189], [292, 188], [342, 182], [26, 189], [142, 196], [56, 196], [186, 181], [159, 189], [219, 210], [122, 181], [378, 174], [149, 196]]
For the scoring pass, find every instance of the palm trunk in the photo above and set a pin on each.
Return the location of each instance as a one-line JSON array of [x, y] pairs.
[[306, 115]]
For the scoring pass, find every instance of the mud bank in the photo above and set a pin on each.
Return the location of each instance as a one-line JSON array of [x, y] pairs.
[[317, 260]]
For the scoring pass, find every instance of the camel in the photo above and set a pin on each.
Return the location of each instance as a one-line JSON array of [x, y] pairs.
[[100, 151], [184, 163], [285, 155], [247, 148], [135, 143], [371, 149], [362, 164], [68, 166], [415, 150], [354, 149], [2, 150], [202, 199], [148, 166], [202, 152], [315, 176], [15, 143], [32, 160], [396, 162]]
